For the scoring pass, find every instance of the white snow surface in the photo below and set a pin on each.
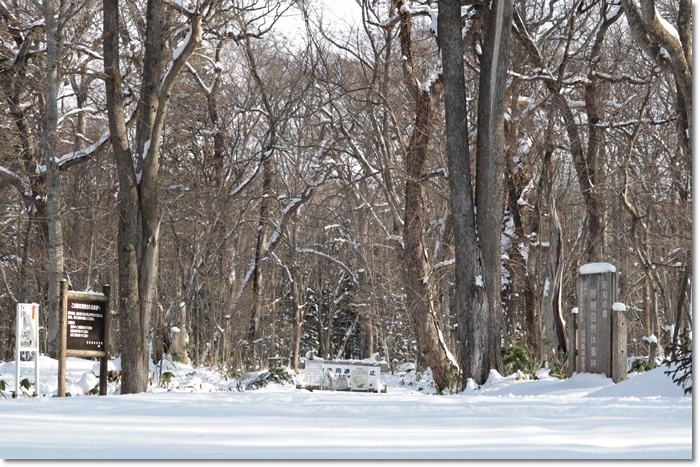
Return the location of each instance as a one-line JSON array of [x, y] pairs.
[[200, 414]]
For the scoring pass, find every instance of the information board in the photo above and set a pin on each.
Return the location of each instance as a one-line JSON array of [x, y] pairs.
[[359, 377], [313, 372], [28, 326], [86, 324], [27, 332]]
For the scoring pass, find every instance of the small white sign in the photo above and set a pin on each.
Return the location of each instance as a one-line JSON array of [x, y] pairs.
[[313, 372], [27, 340], [28, 326], [359, 377]]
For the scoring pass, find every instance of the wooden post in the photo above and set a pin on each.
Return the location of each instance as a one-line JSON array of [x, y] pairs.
[[573, 342], [104, 360], [62, 338], [619, 343]]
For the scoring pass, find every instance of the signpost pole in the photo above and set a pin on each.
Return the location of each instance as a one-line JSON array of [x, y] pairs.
[[105, 358], [36, 362], [18, 336], [62, 337]]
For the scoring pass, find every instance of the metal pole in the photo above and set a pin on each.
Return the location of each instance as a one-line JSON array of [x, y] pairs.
[[18, 335]]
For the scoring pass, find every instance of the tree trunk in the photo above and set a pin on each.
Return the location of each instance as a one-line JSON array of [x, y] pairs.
[[263, 219], [53, 177], [419, 298], [139, 221], [297, 323], [467, 258], [178, 341], [552, 330], [490, 168], [366, 336]]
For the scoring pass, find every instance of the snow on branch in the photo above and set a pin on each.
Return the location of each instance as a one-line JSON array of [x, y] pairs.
[[330, 258], [75, 112], [207, 89], [620, 78], [433, 78], [177, 5], [11, 178], [183, 51], [443, 264], [75, 157], [289, 210]]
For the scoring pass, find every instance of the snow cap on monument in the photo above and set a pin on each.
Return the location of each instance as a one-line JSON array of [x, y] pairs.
[[597, 268]]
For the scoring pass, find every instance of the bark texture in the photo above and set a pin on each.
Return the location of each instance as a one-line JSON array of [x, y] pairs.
[[419, 296], [139, 209]]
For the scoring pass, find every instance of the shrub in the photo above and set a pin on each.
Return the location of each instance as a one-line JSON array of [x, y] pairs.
[[273, 375], [681, 362], [514, 359]]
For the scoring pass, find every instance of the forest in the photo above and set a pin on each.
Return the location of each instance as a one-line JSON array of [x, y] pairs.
[[417, 180]]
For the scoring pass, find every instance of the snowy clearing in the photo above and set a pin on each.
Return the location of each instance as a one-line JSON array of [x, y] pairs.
[[203, 416]]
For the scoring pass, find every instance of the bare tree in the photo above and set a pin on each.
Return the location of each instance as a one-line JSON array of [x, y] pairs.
[[139, 222]]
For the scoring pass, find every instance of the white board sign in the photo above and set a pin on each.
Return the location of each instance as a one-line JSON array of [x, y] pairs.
[[373, 380], [313, 372], [359, 377], [28, 326], [27, 340]]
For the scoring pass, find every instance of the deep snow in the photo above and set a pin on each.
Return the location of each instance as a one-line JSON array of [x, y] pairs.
[[201, 415]]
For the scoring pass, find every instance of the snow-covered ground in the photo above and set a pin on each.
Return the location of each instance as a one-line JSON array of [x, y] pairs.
[[202, 415]]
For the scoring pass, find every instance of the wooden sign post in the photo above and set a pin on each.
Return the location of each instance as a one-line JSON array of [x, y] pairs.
[[83, 331]]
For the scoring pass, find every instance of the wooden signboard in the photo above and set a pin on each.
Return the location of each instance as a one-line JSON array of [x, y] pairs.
[[86, 322], [83, 327]]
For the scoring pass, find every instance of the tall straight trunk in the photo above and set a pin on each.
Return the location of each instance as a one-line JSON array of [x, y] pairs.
[[264, 216], [490, 167], [297, 322], [469, 298], [139, 220], [263, 220], [133, 357], [53, 178]]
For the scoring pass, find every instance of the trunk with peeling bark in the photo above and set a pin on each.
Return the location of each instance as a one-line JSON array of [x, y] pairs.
[[419, 295], [552, 331], [672, 50]]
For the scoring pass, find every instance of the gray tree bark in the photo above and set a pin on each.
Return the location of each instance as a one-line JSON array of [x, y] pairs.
[[490, 170], [419, 296], [139, 221], [52, 15], [469, 298]]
